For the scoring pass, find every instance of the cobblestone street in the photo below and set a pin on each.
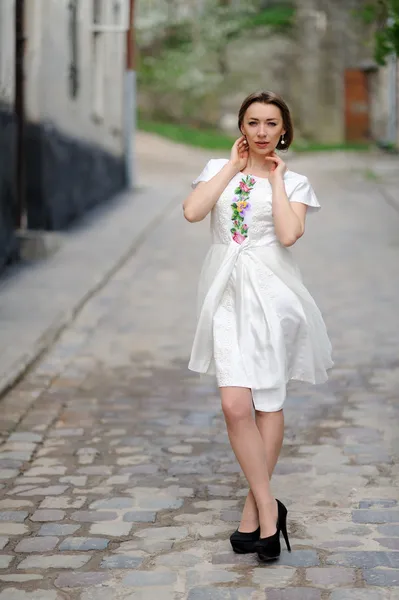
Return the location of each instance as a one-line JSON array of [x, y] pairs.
[[118, 481]]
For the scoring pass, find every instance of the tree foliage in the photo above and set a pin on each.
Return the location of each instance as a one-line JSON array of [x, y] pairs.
[[383, 15], [186, 52]]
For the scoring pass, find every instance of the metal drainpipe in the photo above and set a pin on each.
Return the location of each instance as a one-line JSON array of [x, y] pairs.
[[130, 101], [19, 109]]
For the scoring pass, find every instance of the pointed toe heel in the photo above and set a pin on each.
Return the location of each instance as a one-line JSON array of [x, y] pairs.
[[269, 548], [244, 543]]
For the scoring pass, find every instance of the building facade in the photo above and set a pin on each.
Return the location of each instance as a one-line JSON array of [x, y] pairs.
[[72, 147]]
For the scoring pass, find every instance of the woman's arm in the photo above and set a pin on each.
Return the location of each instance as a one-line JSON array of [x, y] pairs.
[[289, 218], [204, 197]]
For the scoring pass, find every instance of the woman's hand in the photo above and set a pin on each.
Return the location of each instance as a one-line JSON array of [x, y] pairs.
[[277, 169], [239, 154]]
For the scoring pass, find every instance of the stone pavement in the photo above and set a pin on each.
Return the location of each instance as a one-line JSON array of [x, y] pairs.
[[118, 479]]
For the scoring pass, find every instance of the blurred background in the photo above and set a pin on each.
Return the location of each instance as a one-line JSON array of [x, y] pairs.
[[77, 78]]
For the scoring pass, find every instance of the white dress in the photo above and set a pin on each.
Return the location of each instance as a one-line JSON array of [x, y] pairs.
[[258, 326]]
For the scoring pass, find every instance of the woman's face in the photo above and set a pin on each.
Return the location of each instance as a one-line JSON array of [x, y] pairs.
[[262, 126]]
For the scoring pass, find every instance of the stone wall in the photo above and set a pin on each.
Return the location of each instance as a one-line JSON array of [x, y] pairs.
[[305, 65]]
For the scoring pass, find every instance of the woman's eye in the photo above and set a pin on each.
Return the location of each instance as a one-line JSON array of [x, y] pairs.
[[252, 123], [273, 124]]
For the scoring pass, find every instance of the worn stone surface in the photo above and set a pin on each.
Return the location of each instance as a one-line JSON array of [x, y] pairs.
[[118, 479]]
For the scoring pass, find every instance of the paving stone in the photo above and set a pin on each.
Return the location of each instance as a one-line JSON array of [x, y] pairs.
[[15, 516], [75, 580], [86, 516], [13, 529], [63, 502], [83, 543], [20, 578], [98, 470], [389, 530], [214, 593], [118, 480], [140, 516], [377, 503], [52, 490], [330, 576], [111, 529], [362, 594], [381, 577], [13, 503], [5, 560], [61, 433], [230, 558], [55, 561], [77, 481], [365, 560], [3, 542], [177, 559], [25, 437], [121, 561], [43, 471], [294, 593], [16, 594], [20, 446], [23, 456], [273, 576], [32, 481], [207, 577], [113, 503], [37, 544], [163, 533], [58, 529], [375, 516], [140, 470], [8, 473], [390, 543], [299, 558], [46, 515], [150, 578]]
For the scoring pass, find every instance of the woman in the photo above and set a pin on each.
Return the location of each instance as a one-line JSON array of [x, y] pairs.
[[258, 325]]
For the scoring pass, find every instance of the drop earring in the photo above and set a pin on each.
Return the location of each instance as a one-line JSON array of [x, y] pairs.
[[282, 140]]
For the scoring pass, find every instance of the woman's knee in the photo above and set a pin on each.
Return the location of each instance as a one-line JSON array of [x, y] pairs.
[[236, 404]]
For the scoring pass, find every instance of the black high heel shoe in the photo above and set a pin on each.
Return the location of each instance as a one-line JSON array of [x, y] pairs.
[[269, 548], [244, 543]]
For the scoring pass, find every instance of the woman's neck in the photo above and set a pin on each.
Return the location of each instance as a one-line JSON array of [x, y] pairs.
[[258, 165]]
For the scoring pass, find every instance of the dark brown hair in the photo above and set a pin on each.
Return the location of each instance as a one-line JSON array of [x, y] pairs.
[[270, 98]]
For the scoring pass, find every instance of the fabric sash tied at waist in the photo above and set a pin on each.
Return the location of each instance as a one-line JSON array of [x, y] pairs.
[[260, 338]]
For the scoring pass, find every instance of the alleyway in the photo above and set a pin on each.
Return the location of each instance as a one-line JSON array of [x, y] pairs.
[[119, 482]]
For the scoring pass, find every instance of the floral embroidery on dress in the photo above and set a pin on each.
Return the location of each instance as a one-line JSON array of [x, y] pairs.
[[240, 206]]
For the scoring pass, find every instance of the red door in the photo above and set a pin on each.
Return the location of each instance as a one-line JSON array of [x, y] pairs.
[[357, 126]]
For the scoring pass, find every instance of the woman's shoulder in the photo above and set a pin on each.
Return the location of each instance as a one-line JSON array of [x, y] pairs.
[[217, 163], [293, 177]]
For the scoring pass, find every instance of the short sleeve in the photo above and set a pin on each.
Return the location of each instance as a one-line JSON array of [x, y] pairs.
[[212, 167], [304, 193]]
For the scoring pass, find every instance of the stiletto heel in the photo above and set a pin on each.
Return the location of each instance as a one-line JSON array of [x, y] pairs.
[[269, 548], [244, 543]]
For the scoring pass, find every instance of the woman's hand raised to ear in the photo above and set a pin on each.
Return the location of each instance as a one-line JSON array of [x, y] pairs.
[[239, 154]]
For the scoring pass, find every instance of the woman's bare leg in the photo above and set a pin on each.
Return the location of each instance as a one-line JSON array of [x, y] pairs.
[[271, 428], [247, 445]]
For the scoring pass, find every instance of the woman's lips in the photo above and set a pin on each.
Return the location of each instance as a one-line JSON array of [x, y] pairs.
[[262, 144]]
